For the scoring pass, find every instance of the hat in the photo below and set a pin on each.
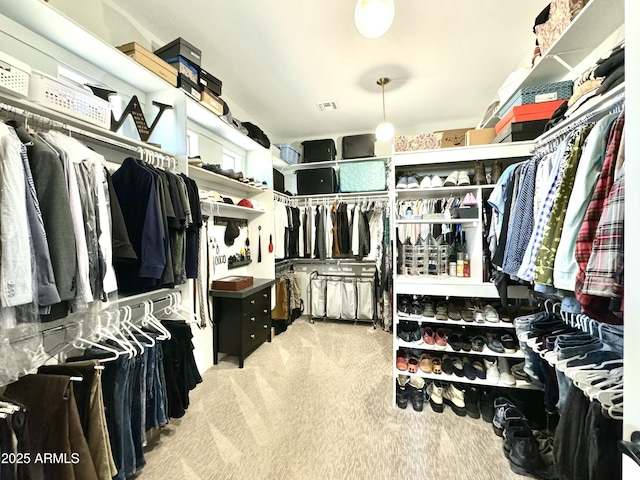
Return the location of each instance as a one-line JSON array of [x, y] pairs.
[[231, 233], [245, 203], [227, 200]]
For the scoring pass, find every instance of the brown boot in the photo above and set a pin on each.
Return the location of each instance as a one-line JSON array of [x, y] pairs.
[[479, 176], [496, 171]]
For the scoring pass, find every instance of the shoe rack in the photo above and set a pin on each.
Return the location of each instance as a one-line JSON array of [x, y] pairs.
[[476, 163]]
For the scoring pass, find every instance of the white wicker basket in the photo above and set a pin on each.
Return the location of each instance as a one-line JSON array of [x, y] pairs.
[[70, 99], [14, 76]]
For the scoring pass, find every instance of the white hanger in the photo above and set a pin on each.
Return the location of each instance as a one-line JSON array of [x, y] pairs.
[[126, 328], [83, 343], [150, 320], [132, 326], [112, 332]]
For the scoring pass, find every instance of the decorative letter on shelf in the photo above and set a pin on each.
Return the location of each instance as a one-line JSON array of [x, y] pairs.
[[135, 110]]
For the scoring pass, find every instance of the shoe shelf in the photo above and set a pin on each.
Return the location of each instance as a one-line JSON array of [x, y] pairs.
[[443, 377], [415, 193], [223, 184], [330, 163], [447, 286], [486, 352], [464, 154], [455, 323], [457, 221]]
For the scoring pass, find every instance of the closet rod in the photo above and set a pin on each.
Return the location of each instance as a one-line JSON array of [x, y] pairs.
[[607, 105], [39, 118], [333, 261]]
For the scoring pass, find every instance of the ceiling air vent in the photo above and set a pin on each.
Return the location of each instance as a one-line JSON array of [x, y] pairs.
[[327, 106]]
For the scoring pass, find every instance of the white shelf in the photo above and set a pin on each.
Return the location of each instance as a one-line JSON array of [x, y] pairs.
[[339, 195], [492, 151], [220, 183], [330, 163], [411, 193], [457, 221], [452, 286], [47, 22], [219, 209], [81, 127], [204, 117], [592, 26], [485, 352], [455, 323], [443, 377]]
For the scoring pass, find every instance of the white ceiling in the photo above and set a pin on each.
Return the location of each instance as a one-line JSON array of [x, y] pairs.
[[277, 58]]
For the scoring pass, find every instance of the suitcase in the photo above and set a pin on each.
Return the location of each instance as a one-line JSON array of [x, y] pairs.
[[278, 181], [358, 146], [316, 181], [365, 176], [318, 150]]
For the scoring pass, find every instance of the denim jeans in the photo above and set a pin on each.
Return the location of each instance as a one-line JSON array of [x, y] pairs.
[[156, 400], [137, 416], [532, 362], [564, 384]]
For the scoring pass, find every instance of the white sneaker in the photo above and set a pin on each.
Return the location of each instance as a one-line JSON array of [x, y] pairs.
[[505, 372], [412, 182], [463, 178], [491, 366], [452, 179], [436, 181], [454, 397], [434, 389], [426, 182]]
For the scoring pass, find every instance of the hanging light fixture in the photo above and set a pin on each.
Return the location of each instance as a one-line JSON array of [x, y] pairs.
[[385, 130], [374, 17]]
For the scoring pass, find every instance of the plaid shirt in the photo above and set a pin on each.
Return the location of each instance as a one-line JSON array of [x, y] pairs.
[[596, 307], [602, 277]]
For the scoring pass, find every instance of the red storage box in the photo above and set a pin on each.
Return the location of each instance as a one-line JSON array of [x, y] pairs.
[[527, 113]]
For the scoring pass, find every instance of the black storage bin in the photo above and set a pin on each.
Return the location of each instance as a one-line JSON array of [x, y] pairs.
[[278, 181], [180, 48], [316, 180], [358, 146], [190, 87], [318, 150], [521, 131], [211, 83]]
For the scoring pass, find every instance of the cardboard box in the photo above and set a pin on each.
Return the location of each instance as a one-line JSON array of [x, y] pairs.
[[454, 138], [525, 113], [181, 48], [212, 102], [190, 87], [413, 143], [151, 62], [233, 283], [480, 137]]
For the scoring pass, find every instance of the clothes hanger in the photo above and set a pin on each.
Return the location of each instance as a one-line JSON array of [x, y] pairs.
[[133, 327], [126, 328], [151, 320], [112, 332], [83, 344]]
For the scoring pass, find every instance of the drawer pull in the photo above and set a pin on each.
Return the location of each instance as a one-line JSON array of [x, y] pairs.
[[252, 302], [253, 319], [264, 295], [266, 311], [252, 336], [264, 326]]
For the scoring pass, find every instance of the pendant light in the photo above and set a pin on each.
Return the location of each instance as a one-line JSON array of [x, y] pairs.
[[374, 17], [385, 130]]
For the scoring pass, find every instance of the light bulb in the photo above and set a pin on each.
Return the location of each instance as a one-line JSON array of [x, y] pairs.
[[374, 17], [384, 132]]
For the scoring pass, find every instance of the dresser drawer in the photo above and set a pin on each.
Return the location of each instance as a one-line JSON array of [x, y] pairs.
[[257, 303], [255, 334]]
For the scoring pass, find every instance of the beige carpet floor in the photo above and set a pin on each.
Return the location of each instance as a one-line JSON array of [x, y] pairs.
[[317, 403]]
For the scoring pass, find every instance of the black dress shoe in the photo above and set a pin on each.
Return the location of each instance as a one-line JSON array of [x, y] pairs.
[[486, 406], [458, 367], [467, 368]]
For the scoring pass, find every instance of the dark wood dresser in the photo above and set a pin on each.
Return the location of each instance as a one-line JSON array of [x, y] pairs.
[[242, 320]]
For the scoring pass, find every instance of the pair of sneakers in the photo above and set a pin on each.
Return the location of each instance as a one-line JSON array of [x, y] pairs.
[[457, 179], [431, 182], [407, 182]]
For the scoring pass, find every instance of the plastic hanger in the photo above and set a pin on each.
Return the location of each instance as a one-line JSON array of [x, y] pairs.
[[125, 325], [150, 320], [112, 332]]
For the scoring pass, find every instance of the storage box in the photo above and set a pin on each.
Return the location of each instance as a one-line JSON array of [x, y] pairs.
[[415, 143], [288, 153], [454, 138], [278, 181], [358, 146], [14, 76], [190, 87], [316, 181], [184, 68], [521, 131], [479, 137], [210, 83], [234, 283], [365, 176], [561, 13], [151, 62], [524, 113], [211, 102], [539, 93], [468, 212], [180, 48], [318, 150]]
